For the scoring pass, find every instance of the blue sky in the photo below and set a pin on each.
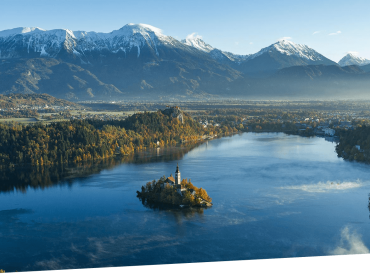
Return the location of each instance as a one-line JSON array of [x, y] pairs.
[[241, 27]]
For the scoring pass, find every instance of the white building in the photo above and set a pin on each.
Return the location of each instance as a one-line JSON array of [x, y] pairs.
[[329, 131]]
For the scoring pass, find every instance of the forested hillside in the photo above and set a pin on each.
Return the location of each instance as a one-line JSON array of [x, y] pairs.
[[76, 141]]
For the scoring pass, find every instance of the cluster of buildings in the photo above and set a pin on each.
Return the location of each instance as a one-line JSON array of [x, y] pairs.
[[40, 108], [318, 126], [102, 117], [206, 123], [326, 128]]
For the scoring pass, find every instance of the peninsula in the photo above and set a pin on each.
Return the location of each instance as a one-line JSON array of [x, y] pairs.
[[175, 191]]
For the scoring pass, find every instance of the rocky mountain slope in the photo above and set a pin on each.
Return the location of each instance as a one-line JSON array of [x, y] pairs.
[[49, 75]]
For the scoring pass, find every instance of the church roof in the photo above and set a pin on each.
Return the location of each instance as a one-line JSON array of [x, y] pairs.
[[171, 179]]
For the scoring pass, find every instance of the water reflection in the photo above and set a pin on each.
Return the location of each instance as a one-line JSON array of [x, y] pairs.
[[20, 178], [177, 212], [42, 177]]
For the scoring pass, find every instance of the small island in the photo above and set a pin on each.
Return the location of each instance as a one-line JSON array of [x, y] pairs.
[[175, 192]]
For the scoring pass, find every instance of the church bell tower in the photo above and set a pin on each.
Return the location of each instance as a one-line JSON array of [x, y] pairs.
[[177, 176]]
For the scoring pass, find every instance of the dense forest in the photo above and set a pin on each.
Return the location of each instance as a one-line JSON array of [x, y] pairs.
[[354, 144], [77, 141], [20, 113]]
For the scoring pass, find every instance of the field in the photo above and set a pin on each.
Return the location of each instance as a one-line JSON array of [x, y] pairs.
[[44, 116], [20, 120]]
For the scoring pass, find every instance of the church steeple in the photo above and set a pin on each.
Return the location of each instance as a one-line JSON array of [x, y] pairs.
[[177, 176]]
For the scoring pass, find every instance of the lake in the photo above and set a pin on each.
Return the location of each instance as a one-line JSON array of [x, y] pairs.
[[274, 196]]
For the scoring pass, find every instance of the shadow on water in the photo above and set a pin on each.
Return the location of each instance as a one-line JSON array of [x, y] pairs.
[[20, 178], [368, 205]]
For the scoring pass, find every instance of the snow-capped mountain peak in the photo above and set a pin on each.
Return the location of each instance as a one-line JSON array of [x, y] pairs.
[[352, 59], [194, 40], [137, 35], [289, 48], [142, 29], [197, 42]]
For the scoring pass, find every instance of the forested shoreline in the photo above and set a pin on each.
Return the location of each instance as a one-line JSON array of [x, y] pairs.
[[78, 141], [354, 144]]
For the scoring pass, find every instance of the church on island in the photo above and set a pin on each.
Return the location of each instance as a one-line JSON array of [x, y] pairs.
[[176, 182], [174, 191]]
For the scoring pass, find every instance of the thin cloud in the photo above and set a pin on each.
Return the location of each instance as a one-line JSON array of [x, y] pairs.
[[251, 43], [335, 33], [316, 32], [285, 38], [350, 243], [322, 187], [354, 53], [237, 43], [193, 36]]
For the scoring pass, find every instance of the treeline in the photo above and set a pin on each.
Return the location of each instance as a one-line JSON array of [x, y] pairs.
[[354, 144], [21, 113], [270, 126], [264, 119], [77, 141]]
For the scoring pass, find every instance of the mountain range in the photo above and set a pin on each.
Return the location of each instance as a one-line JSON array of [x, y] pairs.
[[138, 61]]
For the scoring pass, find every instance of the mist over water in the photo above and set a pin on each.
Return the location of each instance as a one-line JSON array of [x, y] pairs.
[[274, 196]]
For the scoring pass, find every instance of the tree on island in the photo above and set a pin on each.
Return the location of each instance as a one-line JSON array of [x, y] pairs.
[[198, 191]]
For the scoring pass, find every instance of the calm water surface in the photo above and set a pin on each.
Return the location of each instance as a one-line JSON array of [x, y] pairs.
[[274, 196]]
